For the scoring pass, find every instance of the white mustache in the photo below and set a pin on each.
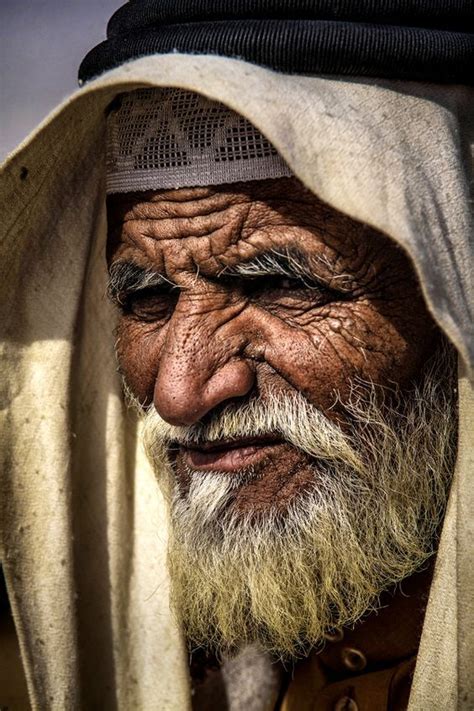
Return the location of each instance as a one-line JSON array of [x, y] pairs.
[[290, 417]]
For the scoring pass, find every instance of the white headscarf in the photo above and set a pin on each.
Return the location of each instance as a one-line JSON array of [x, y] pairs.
[[82, 523]]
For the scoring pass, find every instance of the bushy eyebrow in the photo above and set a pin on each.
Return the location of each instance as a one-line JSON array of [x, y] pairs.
[[127, 277], [290, 262]]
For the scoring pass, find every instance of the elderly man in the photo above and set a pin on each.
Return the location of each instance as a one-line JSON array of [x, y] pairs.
[[289, 261], [293, 380]]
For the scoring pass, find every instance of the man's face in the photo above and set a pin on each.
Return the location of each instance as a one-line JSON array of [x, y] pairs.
[[261, 331], [260, 290]]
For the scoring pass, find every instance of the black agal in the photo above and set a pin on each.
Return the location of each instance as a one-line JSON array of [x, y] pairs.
[[422, 40]]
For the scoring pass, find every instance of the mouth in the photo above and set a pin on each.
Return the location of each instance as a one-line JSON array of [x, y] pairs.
[[227, 455]]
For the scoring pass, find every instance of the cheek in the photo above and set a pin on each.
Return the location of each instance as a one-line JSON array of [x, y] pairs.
[[319, 357], [366, 341], [138, 349]]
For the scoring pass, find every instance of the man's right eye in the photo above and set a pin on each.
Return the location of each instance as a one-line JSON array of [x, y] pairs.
[[150, 304]]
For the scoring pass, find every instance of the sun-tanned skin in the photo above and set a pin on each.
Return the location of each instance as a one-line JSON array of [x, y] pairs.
[[220, 338]]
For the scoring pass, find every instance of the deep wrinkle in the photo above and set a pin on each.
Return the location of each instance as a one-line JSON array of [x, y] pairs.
[[201, 334]]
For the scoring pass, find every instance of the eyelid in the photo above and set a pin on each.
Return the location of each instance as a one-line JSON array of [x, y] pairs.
[[163, 287], [126, 296], [311, 283], [306, 281]]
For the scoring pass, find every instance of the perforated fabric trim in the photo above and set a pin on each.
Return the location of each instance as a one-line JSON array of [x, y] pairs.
[[171, 138]]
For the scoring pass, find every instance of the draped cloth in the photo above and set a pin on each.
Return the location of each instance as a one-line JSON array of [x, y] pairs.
[[82, 522]]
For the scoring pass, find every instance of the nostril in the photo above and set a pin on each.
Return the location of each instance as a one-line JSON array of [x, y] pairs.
[[177, 409]]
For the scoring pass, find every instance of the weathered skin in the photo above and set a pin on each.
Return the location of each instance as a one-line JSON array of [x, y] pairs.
[[216, 340]]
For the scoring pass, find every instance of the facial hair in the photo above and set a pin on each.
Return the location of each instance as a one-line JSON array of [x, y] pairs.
[[369, 521]]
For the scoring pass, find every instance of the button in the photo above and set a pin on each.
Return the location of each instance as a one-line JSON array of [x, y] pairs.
[[346, 704], [353, 659], [335, 634]]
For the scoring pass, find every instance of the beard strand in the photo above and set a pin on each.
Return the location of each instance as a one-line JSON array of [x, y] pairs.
[[370, 520]]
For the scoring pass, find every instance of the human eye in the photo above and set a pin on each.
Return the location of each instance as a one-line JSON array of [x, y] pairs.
[[151, 303], [283, 288]]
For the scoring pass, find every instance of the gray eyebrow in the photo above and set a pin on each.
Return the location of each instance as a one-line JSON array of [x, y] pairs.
[[290, 263], [127, 277]]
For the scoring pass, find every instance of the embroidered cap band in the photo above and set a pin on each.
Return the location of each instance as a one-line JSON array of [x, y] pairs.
[[171, 138]]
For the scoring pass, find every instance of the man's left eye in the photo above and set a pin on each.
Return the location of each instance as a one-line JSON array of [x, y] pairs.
[[283, 286], [267, 283], [287, 283]]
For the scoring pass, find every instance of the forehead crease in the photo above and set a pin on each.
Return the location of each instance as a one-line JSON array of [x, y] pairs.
[[210, 254], [178, 227], [236, 233], [181, 241], [181, 205]]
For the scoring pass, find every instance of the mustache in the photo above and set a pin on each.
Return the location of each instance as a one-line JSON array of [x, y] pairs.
[[374, 413], [289, 417]]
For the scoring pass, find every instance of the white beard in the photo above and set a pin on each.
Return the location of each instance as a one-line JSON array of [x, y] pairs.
[[369, 521]]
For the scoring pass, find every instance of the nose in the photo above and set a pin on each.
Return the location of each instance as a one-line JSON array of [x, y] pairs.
[[200, 367]]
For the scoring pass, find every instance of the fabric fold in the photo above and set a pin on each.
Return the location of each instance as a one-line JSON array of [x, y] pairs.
[[83, 526]]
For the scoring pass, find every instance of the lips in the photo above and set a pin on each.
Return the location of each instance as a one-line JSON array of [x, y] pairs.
[[229, 454]]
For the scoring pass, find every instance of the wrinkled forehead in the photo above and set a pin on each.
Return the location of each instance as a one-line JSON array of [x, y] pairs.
[[256, 227]]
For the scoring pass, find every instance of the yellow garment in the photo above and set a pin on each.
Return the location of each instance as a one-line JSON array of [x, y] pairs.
[[82, 523]]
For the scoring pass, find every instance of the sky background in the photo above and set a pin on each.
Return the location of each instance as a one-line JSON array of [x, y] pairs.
[[42, 43]]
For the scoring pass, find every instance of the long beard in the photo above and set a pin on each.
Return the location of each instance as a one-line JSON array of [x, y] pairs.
[[370, 520]]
